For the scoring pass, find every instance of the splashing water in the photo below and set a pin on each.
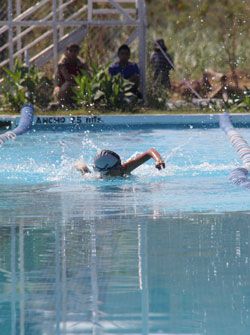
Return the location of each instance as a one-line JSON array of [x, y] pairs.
[[196, 161]]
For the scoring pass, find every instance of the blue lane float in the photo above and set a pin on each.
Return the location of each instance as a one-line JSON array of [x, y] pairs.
[[25, 124], [238, 176]]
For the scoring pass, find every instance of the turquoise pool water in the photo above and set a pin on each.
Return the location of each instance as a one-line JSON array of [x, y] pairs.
[[159, 252]]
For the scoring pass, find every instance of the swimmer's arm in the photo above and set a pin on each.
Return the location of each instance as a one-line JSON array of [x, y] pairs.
[[82, 167], [140, 159]]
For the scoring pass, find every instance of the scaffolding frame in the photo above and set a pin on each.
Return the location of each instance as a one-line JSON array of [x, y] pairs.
[[55, 21]]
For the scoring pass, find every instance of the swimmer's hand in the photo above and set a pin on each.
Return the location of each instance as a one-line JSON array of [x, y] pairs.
[[82, 167], [160, 165]]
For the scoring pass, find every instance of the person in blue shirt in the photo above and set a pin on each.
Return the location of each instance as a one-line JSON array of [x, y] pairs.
[[127, 69]]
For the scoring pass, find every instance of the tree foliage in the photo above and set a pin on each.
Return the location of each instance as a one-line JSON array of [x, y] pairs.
[[203, 34]]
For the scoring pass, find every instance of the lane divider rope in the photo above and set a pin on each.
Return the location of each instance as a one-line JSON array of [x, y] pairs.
[[238, 176], [25, 124]]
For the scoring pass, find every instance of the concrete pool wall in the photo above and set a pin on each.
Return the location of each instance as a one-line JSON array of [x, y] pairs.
[[60, 122]]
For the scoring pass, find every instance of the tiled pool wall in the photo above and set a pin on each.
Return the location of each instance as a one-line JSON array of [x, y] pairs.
[[61, 122]]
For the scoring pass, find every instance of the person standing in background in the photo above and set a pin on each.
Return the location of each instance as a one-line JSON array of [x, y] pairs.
[[162, 64]]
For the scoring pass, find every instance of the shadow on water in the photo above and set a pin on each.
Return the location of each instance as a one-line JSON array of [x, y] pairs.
[[72, 269]]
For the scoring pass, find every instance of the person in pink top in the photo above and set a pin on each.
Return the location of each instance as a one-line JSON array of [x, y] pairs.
[[68, 68]]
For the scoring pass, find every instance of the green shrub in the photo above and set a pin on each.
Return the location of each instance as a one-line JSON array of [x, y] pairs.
[[246, 100], [243, 103], [84, 91], [104, 91], [113, 92], [23, 84], [157, 94]]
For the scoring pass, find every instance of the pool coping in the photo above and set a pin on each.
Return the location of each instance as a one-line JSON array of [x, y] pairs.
[[61, 121]]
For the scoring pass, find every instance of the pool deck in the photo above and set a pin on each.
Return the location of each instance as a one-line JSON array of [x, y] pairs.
[[45, 122]]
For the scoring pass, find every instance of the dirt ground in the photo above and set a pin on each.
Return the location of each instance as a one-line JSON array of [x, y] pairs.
[[211, 85]]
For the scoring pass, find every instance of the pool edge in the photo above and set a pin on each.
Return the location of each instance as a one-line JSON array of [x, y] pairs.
[[81, 121]]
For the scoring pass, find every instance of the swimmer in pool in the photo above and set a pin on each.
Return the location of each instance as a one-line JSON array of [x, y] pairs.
[[108, 163]]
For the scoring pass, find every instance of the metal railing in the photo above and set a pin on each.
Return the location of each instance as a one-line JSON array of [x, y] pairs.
[[18, 43], [60, 16]]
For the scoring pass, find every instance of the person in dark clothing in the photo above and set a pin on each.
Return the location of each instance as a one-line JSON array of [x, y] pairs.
[[69, 67], [127, 69], [162, 64]]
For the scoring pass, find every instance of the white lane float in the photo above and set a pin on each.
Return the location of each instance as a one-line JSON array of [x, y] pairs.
[[239, 175], [25, 124]]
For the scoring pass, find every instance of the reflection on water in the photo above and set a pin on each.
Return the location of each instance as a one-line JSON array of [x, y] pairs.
[[69, 269]]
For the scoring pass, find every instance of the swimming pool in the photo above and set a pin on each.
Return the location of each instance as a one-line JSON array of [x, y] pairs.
[[159, 252]]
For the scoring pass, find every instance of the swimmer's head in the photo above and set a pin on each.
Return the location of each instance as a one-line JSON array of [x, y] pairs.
[[105, 161]]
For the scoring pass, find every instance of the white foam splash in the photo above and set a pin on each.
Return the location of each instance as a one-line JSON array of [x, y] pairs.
[[171, 169], [66, 171]]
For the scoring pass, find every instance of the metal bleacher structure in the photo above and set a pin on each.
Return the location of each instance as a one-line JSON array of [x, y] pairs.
[[59, 23]]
